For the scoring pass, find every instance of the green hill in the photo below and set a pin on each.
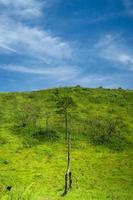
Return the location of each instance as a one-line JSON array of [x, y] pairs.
[[33, 151]]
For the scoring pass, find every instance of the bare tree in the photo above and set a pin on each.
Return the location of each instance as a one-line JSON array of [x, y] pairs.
[[64, 106], [26, 114], [47, 115]]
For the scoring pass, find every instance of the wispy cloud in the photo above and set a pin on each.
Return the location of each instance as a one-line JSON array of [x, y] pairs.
[[129, 6], [110, 48], [61, 73], [102, 17], [17, 37], [22, 8], [105, 80], [92, 79]]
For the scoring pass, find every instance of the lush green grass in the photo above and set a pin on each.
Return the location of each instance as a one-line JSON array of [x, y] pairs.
[[33, 158]]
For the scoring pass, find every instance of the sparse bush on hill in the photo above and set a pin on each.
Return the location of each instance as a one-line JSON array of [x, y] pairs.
[[27, 114], [106, 132]]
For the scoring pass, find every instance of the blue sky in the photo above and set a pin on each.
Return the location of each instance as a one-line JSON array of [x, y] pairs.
[[51, 43]]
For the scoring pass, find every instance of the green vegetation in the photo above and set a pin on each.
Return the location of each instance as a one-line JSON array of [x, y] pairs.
[[33, 150]]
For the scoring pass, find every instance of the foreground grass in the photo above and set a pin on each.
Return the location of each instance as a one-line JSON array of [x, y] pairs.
[[37, 173]]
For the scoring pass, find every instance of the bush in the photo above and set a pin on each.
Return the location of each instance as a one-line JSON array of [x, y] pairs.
[[77, 86], [106, 132], [3, 140], [45, 135]]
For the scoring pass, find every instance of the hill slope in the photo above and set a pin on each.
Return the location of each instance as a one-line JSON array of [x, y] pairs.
[[33, 152]]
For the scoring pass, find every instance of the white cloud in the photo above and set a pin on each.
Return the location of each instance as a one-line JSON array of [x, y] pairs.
[[61, 73], [102, 17], [22, 8], [92, 79], [110, 48], [105, 80], [129, 6], [37, 44], [17, 37]]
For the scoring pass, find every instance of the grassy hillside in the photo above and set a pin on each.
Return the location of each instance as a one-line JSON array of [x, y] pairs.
[[33, 151]]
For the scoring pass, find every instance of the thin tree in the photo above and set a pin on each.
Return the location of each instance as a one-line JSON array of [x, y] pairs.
[[64, 106], [47, 115], [27, 114]]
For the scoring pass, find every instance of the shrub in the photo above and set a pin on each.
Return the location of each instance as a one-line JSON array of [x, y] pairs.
[[106, 132], [3, 140], [78, 86]]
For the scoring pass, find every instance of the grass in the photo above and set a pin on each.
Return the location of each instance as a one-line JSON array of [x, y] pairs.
[[34, 164]]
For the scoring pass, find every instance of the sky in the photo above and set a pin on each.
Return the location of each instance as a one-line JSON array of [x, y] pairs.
[[56, 43]]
